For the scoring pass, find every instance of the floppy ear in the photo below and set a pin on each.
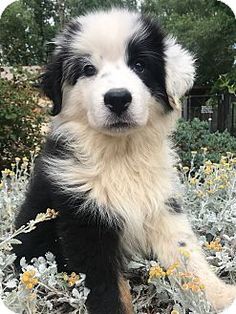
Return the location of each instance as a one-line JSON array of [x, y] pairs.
[[180, 69], [51, 81]]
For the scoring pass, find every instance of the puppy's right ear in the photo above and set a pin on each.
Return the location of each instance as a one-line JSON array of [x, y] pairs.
[[51, 83]]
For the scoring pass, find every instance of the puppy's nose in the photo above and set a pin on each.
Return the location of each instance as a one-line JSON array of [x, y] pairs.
[[118, 100]]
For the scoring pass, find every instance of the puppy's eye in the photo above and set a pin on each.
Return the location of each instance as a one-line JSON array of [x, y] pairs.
[[138, 66], [89, 70]]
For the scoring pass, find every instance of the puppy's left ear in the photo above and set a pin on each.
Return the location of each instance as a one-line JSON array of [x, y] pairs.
[[51, 81], [180, 70]]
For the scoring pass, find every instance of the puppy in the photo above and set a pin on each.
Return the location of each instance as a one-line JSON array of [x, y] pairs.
[[107, 167]]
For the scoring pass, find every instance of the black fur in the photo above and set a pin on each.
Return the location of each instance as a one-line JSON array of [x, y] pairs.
[[54, 76], [149, 49], [174, 206], [51, 83], [65, 66], [81, 241]]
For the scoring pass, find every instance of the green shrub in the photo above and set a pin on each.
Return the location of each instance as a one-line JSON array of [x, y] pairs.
[[193, 136], [20, 120]]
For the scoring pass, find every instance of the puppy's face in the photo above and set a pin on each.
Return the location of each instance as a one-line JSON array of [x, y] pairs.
[[116, 71]]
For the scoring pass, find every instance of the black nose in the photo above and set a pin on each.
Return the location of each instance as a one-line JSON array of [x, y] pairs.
[[117, 100]]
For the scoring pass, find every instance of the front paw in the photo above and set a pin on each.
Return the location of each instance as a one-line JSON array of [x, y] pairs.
[[223, 299], [231, 309]]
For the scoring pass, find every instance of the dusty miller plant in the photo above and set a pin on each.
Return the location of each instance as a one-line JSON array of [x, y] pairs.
[[209, 194]]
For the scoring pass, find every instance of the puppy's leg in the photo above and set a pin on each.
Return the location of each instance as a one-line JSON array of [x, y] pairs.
[[125, 295], [174, 231], [92, 247]]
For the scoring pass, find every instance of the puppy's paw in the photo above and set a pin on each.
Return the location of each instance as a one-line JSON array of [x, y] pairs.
[[222, 297], [231, 309]]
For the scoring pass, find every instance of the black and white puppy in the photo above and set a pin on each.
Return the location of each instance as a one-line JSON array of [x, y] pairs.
[[107, 167]]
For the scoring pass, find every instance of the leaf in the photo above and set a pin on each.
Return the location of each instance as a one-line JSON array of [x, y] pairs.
[[11, 283]]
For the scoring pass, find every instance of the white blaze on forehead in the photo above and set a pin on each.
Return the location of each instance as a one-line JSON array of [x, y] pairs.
[[106, 33]]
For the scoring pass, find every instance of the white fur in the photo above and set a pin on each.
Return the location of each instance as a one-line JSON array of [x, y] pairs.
[[86, 97], [104, 37], [123, 175], [106, 34], [129, 176], [180, 68], [231, 309]]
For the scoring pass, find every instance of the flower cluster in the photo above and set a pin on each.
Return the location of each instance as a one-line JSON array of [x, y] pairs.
[[209, 199], [187, 280], [211, 178], [191, 282], [214, 245], [158, 271], [28, 279], [72, 279]]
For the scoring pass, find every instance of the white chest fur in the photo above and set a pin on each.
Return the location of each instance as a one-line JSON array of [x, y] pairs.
[[129, 178]]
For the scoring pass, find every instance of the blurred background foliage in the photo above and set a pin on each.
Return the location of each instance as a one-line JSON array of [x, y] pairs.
[[21, 118], [206, 27], [194, 138]]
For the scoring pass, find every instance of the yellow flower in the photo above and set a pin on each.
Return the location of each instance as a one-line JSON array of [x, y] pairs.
[[171, 269], [185, 286], [222, 186], [17, 159], [193, 181], [194, 285], [200, 193], [196, 279], [209, 182], [174, 312], [204, 149], [208, 170], [214, 245], [156, 271], [28, 279], [184, 252], [72, 279]]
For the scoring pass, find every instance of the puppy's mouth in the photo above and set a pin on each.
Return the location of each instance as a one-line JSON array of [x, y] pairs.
[[120, 126]]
